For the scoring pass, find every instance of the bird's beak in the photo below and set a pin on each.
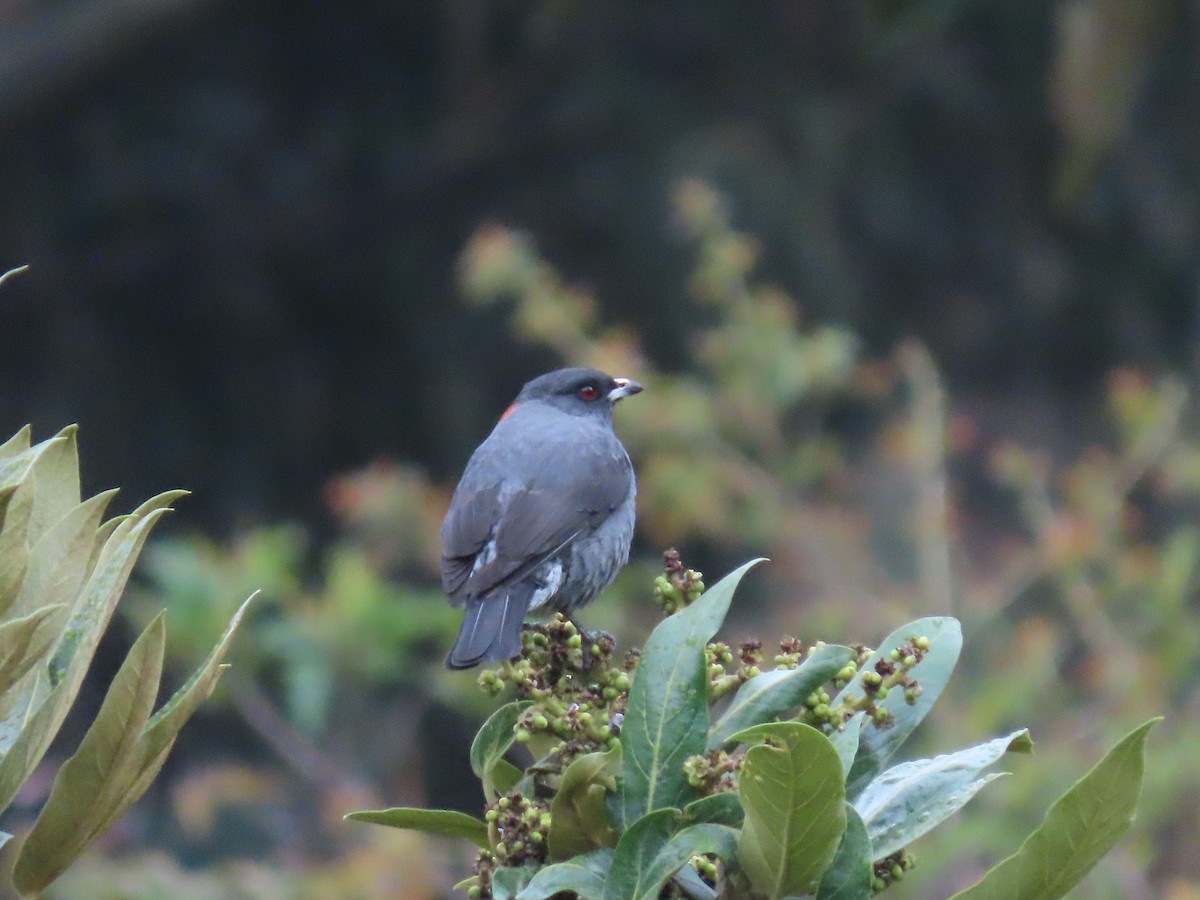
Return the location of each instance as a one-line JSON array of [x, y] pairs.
[[624, 388]]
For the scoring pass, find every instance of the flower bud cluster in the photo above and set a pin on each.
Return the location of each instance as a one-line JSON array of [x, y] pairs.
[[677, 587], [557, 659], [791, 652], [890, 869], [889, 673], [713, 772], [519, 826]]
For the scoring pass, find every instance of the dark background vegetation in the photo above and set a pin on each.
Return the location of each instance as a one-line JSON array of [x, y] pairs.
[[244, 224]]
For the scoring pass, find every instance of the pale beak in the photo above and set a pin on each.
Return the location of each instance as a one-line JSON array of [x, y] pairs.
[[625, 387]]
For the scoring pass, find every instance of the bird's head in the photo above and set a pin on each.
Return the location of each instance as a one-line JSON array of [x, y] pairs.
[[580, 392]]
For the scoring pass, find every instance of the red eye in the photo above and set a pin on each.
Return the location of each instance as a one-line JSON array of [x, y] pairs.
[[588, 392]]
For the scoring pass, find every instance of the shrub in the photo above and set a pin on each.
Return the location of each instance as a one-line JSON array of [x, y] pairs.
[[62, 571], [645, 779]]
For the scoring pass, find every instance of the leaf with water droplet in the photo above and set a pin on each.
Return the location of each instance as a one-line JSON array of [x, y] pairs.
[[908, 800]]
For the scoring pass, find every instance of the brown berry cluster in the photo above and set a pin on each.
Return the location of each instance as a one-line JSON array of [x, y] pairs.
[[677, 586], [713, 772], [890, 869]]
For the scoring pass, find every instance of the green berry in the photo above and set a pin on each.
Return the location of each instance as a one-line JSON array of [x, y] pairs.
[[910, 661]]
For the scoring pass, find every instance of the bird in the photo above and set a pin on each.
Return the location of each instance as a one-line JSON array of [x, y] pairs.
[[543, 515]]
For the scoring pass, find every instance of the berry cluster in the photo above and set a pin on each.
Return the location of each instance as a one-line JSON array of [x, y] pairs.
[[890, 869], [719, 658], [890, 673], [677, 587], [713, 772]]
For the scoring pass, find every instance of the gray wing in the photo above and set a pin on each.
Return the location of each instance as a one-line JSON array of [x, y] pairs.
[[558, 503]]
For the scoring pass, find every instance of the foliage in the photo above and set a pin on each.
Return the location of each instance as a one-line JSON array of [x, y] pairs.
[[62, 571], [629, 791]]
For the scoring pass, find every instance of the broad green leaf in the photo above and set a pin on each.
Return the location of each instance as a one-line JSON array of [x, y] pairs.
[[717, 809], [508, 881], [56, 482], [845, 740], [70, 660], [57, 564], [655, 848], [19, 442], [17, 462], [494, 739], [1079, 828], [18, 495], [876, 745], [794, 797], [910, 799], [771, 694], [581, 875], [119, 756], [431, 821], [849, 875], [505, 777], [666, 719], [23, 642], [578, 817], [91, 785]]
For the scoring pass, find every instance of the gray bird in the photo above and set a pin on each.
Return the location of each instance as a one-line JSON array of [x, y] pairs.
[[543, 515]]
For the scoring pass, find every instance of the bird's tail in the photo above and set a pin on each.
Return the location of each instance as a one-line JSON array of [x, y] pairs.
[[491, 628]]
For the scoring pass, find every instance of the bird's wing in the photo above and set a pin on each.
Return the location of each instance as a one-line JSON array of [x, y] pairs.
[[557, 504], [465, 532]]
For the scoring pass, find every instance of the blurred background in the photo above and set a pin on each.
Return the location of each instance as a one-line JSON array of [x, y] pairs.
[[914, 287]]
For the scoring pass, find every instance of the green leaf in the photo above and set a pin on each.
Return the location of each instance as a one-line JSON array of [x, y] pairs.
[[40, 718], [655, 848], [23, 642], [793, 796], [56, 482], [717, 809], [165, 724], [876, 745], [845, 740], [57, 564], [19, 442], [494, 739], [505, 777], [666, 719], [1081, 826], [578, 817], [849, 875], [431, 821], [912, 798], [89, 790], [509, 881], [582, 875], [771, 694], [119, 756]]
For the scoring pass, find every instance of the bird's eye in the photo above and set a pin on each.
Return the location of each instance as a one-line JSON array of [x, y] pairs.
[[588, 392]]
